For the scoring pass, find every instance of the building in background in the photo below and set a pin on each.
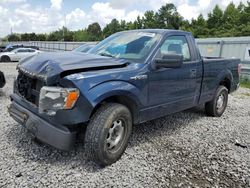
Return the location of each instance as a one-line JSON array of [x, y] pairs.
[[231, 47]]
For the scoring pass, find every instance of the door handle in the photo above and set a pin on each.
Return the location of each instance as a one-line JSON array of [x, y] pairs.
[[192, 73]]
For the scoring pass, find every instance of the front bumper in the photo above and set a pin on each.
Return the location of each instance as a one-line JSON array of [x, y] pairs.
[[55, 135]]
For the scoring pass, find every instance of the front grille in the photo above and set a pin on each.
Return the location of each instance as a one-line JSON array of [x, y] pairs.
[[28, 87]]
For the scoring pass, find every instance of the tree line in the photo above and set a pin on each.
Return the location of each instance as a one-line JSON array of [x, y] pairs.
[[232, 22]]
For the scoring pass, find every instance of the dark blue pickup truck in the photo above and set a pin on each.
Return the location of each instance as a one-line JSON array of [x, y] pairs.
[[128, 78]]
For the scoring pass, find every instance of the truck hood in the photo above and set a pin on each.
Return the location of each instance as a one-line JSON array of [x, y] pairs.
[[51, 66]]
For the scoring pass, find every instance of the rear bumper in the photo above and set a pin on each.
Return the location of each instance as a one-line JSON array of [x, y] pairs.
[[57, 136]]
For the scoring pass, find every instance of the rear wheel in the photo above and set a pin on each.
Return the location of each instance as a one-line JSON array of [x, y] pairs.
[[217, 106], [107, 133], [5, 59]]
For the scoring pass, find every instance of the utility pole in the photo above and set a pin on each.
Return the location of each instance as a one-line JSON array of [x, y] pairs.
[[64, 27], [63, 32]]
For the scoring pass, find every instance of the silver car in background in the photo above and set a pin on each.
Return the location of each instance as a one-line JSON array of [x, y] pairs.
[[17, 54]]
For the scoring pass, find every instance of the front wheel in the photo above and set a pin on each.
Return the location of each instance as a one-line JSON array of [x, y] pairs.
[[107, 133], [218, 104]]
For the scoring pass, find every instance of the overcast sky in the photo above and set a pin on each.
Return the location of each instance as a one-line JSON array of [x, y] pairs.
[[42, 16]]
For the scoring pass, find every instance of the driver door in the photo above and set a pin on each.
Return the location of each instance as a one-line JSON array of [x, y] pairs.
[[173, 89]]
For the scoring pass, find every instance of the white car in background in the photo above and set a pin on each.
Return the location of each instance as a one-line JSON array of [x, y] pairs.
[[17, 54]]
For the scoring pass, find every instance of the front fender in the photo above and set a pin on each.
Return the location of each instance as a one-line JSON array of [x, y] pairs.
[[116, 88]]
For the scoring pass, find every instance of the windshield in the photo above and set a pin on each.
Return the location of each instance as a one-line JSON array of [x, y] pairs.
[[133, 45], [84, 48]]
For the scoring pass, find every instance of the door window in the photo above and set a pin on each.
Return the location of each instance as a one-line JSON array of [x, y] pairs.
[[23, 50], [176, 45]]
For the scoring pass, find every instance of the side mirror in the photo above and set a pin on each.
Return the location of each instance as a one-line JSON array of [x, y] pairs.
[[169, 61]]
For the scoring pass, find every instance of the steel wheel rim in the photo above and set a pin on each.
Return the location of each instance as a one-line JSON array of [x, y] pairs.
[[220, 101], [115, 135]]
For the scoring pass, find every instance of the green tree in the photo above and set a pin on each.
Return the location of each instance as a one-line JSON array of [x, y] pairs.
[[215, 18], [41, 37], [25, 37], [138, 23], [123, 25], [168, 17], [14, 37], [32, 37], [149, 20], [95, 32], [244, 13], [63, 34], [130, 25], [52, 37], [68, 36], [186, 26], [199, 27], [231, 16], [113, 27], [81, 35]]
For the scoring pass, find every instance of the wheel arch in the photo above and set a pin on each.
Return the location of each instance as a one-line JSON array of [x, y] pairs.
[[5, 56], [125, 100], [225, 79], [227, 83]]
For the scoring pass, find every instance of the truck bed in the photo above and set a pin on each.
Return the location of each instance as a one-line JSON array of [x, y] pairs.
[[216, 69]]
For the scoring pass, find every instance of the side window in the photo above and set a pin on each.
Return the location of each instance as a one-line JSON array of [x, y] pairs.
[[30, 50], [176, 45], [22, 51]]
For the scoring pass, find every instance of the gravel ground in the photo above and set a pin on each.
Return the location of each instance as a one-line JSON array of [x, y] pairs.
[[185, 149]]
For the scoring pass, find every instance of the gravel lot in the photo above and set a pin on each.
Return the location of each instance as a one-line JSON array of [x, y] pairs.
[[185, 149]]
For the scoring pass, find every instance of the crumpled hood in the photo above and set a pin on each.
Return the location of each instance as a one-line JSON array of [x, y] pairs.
[[50, 66]]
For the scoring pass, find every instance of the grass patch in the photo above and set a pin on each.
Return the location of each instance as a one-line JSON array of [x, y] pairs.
[[246, 85], [245, 82]]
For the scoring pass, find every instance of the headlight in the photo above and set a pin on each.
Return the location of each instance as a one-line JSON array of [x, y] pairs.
[[57, 98]]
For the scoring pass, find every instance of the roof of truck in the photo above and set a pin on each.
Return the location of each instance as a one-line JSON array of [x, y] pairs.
[[160, 31]]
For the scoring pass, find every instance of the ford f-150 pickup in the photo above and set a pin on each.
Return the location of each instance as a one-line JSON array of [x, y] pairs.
[[128, 78]]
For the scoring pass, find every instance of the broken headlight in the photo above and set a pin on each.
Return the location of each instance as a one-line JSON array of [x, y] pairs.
[[57, 98]]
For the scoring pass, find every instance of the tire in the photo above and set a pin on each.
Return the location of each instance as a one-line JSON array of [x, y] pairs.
[[107, 134], [5, 59], [217, 106]]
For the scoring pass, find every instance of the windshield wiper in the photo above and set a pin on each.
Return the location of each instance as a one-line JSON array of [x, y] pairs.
[[106, 54]]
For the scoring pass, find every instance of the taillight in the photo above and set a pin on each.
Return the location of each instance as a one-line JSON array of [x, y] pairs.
[[239, 69]]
